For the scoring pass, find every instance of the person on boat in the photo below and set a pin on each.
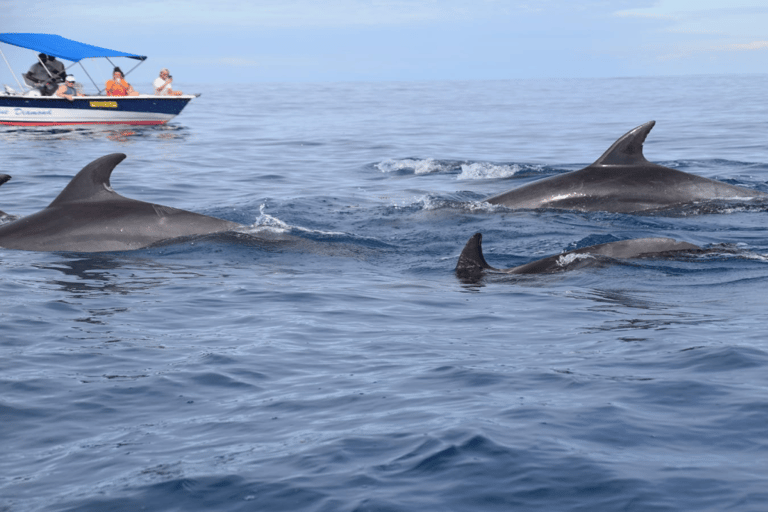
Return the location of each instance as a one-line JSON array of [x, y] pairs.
[[118, 86], [41, 76], [162, 84], [38, 71], [57, 69], [67, 89]]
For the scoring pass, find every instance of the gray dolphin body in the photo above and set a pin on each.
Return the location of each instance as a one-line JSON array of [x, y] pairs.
[[88, 216], [3, 179], [472, 264], [622, 181]]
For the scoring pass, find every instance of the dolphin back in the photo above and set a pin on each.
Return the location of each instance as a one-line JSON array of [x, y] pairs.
[[472, 264], [88, 216], [638, 247]]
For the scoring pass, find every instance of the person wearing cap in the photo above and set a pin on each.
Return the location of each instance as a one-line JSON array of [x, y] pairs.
[[67, 89], [162, 84]]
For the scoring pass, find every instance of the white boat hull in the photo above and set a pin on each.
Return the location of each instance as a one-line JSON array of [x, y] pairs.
[[55, 111]]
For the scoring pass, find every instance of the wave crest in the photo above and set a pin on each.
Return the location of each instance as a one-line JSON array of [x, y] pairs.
[[417, 166], [485, 170]]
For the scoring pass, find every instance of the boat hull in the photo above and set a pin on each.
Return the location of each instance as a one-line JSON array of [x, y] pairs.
[[55, 111]]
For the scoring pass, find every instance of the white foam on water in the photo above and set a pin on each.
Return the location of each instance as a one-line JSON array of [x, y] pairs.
[[267, 223], [485, 170], [567, 259], [425, 166]]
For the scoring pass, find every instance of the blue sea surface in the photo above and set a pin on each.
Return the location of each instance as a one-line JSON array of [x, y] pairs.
[[351, 370]]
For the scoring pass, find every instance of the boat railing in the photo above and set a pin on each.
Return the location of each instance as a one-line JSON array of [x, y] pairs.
[[35, 93]]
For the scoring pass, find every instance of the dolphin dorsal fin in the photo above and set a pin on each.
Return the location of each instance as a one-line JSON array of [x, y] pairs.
[[628, 150], [471, 261], [91, 181]]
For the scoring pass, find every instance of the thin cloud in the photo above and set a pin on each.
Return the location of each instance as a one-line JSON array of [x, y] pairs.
[[754, 45], [265, 13], [238, 62], [643, 15], [689, 50]]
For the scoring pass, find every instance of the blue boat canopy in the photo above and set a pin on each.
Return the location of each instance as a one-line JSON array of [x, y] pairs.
[[61, 47]]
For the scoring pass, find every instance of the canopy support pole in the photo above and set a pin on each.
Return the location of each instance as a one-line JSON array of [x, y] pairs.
[[12, 73], [89, 76], [141, 61], [137, 65]]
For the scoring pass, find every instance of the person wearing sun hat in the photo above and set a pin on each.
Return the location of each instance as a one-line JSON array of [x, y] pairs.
[[67, 89]]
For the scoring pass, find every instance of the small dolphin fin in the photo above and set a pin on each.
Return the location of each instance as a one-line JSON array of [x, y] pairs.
[[3, 179], [471, 261], [628, 150], [92, 180]]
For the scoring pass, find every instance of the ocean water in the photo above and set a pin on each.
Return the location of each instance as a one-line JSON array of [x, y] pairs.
[[351, 370]]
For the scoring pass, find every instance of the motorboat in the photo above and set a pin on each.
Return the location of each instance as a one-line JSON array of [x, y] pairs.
[[35, 102]]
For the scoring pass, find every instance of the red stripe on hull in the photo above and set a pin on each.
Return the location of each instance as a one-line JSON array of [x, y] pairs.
[[61, 123]]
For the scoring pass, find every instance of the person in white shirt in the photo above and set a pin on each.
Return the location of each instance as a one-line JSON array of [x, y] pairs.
[[162, 84]]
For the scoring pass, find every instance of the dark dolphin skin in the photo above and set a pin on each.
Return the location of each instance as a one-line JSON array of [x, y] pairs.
[[621, 181], [472, 264], [88, 216], [3, 179]]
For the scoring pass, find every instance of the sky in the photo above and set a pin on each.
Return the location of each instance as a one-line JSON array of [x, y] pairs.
[[227, 41]]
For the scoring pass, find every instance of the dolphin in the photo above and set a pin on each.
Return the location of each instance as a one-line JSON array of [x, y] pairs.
[[88, 216], [3, 179], [472, 264], [621, 181]]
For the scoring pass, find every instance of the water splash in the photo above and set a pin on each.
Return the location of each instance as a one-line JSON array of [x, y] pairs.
[[485, 170], [568, 259], [418, 166]]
